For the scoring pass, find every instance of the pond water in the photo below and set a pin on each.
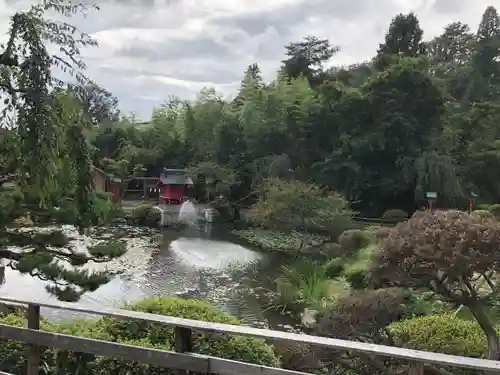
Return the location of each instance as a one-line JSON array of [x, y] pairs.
[[196, 262]]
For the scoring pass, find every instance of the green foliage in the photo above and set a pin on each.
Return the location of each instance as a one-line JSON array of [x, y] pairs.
[[236, 348], [394, 216], [442, 334], [146, 215], [308, 283], [495, 210], [294, 205], [13, 353], [46, 155], [353, 240], [216, 179], [483, 214]]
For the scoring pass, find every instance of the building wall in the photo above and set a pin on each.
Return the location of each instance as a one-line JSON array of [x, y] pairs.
[[99, 180]]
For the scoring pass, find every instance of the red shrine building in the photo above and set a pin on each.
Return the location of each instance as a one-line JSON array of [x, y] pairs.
[[174, 185]]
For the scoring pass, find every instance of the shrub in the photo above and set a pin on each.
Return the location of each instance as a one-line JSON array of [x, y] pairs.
[[482, 214], [332, 250], [394, 216], [13, 354], [63, 362], [357, 278], [495, 210], [353, 240], [382, 233], [441, 333], [146, 215], [229, 347]]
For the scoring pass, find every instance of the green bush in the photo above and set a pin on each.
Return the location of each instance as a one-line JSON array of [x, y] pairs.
[[353, 240], [13, 353], [483, 214], [495, 210], [394, 216], [146, 215], [441, 333], [63, 362], [229, 347], [357, 278]]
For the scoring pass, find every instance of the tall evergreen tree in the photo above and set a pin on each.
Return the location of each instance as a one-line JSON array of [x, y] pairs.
[[404, 38]]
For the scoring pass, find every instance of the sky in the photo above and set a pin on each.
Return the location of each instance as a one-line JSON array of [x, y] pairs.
[[150, 50]]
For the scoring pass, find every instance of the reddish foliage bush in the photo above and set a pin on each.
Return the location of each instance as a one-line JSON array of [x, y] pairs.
[[382, 233]]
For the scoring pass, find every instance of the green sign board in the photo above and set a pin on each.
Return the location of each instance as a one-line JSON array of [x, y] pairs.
[[431, 195]]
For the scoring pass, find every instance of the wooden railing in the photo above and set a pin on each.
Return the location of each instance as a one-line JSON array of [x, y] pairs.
[[184, 360]]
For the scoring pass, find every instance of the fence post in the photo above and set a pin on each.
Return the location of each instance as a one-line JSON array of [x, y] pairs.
[[33, 350], [416, 368], [183, 343]]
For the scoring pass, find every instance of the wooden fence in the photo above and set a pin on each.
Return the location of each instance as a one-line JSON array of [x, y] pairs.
[[184, 361]]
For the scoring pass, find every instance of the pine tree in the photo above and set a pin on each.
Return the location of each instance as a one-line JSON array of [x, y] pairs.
[[251, 86]]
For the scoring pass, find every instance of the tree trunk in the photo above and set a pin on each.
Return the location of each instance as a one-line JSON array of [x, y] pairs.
[[488, 329]]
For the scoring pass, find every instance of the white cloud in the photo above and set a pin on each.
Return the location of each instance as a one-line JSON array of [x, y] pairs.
[[148, 52]]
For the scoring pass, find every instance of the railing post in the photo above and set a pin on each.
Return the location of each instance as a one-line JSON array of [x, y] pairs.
[[33, 350], [183, 343], [416, 368]]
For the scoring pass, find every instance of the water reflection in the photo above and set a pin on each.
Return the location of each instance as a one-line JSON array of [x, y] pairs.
[[196, 262]]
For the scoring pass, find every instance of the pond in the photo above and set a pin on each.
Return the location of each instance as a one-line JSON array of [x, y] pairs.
[[200, 262]]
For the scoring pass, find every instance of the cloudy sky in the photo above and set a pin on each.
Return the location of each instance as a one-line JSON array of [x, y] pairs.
[[152, 49]]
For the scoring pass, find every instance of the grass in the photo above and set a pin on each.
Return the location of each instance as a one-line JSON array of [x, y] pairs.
[[307, 284]]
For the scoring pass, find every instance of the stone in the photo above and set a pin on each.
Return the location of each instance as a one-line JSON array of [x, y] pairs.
[[308, 318], [332, 250]]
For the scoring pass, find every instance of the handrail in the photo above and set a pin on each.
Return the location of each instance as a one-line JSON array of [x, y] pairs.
[[186, 325]]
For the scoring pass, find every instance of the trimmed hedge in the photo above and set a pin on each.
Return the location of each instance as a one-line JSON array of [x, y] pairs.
[[395, 216], [441, 333]]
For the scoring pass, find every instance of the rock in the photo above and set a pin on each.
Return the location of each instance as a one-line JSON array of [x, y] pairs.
[[315, 243], [308, 250], [120, 220], [332, 250], [308, 318]]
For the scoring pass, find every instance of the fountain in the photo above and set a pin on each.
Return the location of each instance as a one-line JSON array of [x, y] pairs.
[[188, 213]]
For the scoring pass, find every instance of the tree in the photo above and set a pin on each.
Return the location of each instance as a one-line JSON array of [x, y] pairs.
[[485, 59], [99, 104], [404, 38], [393, 116], [295, 205], [216, 180], [450, 253], [43, 131], [307, 58], [125, 166], [251, 85]]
